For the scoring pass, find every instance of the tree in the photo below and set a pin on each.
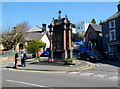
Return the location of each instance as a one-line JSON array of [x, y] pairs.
[[72, 44], [7, 41], [78, 36], [35, 45], [12, 36], [81, 34], [93, 21], [73, 25]]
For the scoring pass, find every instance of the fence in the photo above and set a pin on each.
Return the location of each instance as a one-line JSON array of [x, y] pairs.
[[10, 52]]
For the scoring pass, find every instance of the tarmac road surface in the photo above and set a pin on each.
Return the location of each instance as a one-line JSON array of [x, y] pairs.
[[13, 78]]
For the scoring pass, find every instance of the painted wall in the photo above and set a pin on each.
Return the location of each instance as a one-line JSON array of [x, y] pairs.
[[46, 40], [106, 35], [1, 47], [82, 27]]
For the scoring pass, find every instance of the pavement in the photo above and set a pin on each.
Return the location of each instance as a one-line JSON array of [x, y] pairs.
[[50, 68], [53, 68]]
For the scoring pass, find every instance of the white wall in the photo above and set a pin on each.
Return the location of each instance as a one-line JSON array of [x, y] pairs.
[[1, 47], [86, 26], [82, 27], [73, 30], [46, 40]]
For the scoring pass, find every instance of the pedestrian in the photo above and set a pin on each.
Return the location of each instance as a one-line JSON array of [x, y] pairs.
[[16, 59], [85, 55], [21, 57], [24, 59]]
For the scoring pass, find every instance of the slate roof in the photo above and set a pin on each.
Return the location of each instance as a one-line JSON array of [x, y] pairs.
[[96, 27], [116, 15], [35, 29], [34, 35]]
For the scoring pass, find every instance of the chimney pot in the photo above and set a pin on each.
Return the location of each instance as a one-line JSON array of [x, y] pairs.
[[44, 27]]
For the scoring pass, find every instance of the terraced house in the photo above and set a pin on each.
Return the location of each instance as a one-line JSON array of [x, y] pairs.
[[111, 33]]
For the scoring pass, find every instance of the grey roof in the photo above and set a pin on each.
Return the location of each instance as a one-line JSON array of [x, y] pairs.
[[34, 36], [116, 15], [35, 29], [96, 27]]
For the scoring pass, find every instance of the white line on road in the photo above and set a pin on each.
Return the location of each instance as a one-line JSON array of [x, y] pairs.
[[26, 83], [73, 72], [100, 75], [114, 77], [87, 74]]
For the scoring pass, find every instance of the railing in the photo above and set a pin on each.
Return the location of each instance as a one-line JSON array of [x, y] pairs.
[[10, 52]]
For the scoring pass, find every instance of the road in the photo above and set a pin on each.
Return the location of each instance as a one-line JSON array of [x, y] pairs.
[[102, 75]]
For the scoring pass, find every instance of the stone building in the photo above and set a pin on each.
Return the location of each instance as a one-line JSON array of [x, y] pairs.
[[111, 33], [60, 37], [93, 37]]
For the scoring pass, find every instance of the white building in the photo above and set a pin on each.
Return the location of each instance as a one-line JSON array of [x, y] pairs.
[[37, 33], [82, 27], [1, 46], [73, 30]]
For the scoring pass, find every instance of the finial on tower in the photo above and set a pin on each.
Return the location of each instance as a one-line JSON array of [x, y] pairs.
[[65, 16], [59, 13]]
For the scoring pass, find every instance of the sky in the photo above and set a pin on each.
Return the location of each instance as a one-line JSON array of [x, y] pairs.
[[37, 13]]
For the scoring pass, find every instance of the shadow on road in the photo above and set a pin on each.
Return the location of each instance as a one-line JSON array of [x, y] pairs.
[[111, 62], [13, 67], [108, 62]]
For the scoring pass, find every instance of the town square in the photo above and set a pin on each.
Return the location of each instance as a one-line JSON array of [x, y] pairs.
[[57, 45]]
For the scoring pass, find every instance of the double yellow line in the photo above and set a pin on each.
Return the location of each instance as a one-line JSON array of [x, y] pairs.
[[88, 66]]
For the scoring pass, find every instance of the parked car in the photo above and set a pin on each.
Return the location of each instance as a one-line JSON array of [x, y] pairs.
[[45, 54], [112, 56], [89, 56]]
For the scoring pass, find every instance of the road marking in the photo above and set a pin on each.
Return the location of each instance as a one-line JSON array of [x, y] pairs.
[[88, 66], [73, 72], [113, 77], [103, 65], [26, 83], [99, 75], [94, 75], [91, 66], [87, 74], [35, 71]]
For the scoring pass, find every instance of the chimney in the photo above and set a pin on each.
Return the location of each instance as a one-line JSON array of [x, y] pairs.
[[44, 27], [119, 6]]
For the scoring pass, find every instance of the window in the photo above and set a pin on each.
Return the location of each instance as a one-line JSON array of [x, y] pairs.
[[78, 27], [112, 24], [112, 34]]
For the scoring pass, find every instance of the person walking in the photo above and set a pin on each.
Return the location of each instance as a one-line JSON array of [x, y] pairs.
[[24, 59], [21, 57], [16, 59]]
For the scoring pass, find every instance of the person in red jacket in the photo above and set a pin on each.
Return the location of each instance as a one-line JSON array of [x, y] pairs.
[[16, 59]]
